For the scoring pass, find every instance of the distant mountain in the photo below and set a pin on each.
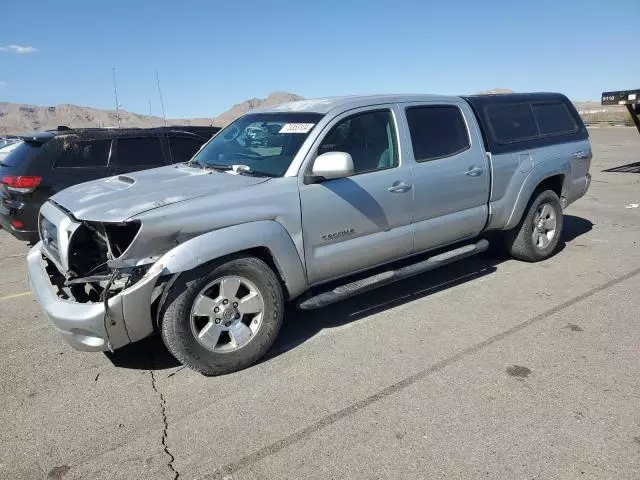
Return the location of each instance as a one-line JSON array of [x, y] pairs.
[[18, 118], [495, 90], [236, 111]]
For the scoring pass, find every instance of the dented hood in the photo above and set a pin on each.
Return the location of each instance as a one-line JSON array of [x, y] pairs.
[[118, 198]]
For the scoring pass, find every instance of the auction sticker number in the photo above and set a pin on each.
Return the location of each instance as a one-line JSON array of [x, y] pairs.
[[296, 127]]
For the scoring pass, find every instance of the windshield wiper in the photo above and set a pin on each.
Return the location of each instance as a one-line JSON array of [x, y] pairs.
[[237, 169], [214, 166], [246, 170], [217, 166]]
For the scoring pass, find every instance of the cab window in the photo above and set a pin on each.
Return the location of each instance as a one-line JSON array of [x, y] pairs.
[[437, 131], [370, 139]]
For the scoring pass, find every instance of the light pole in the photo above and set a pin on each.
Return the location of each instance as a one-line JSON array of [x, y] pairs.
[[115, 92]]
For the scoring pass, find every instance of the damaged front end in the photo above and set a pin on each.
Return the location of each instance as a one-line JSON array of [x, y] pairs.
[[96, 300], [93, 270]]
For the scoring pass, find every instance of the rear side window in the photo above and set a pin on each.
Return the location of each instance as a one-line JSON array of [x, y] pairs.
[[554, 119], [437, 132], [512, 123], [520, 121], [20, 155], [83, 154], [140, 151], [182, 149]]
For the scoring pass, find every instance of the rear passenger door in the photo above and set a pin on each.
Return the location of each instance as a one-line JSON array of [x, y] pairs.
[[139, 153], [450, 173]]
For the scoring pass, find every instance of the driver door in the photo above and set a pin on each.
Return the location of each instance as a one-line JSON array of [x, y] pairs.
[[351, 224]]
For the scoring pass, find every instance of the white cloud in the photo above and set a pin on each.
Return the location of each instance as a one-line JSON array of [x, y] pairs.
[[19, 49]]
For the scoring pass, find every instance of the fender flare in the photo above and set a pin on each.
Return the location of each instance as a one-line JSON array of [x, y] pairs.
[[538, 175], [267, 234]]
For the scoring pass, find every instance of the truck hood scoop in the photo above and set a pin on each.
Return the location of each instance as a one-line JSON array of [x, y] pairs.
[[120, 182], [118, 198]]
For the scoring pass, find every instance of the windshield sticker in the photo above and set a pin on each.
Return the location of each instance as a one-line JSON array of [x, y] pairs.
[[296, 127]]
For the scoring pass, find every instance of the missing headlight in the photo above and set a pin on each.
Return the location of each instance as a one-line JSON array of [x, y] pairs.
[[120, 236], [94, 244]]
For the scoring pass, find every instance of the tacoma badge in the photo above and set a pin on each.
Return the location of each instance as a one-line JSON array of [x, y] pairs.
[[341, 233]]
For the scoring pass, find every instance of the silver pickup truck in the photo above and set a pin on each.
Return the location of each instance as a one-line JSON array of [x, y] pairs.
[[311, 201]]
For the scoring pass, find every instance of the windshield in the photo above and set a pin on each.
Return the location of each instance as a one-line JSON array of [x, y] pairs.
[[264, 142]]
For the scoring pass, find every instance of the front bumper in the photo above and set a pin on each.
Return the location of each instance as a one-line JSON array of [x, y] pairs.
[[84, 325]]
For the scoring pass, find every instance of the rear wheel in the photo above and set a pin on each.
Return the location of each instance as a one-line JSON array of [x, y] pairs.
[[538, 233], [221, 319]]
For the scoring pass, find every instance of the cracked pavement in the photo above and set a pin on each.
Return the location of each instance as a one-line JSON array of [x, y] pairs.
[[488, 368], [163, 405]]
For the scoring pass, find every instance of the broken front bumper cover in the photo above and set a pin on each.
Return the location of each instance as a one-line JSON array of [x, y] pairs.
[[84, 325]]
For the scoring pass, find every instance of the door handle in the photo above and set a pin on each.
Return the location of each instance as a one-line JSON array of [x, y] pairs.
[[474, 171], [399, 187]]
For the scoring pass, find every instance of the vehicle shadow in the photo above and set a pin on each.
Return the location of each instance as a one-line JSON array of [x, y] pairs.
[[147, 354], [300, 326], [573, 228]]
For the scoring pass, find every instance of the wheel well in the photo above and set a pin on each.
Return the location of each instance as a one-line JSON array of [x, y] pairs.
[[264, 254], [553, 183]]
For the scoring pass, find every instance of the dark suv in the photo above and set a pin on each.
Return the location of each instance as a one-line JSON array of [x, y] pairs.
[[50, 161]]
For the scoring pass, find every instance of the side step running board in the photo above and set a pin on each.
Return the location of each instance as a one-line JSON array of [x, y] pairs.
[[390, 276]]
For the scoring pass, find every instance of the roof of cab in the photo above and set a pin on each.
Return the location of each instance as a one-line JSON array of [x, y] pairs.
[[325, 105], [503, 98]]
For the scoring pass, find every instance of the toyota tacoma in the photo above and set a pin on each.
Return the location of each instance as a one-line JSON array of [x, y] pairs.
[[309, 202]]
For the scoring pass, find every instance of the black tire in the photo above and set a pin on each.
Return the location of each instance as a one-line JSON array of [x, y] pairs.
[[175, 326], [519, 241]]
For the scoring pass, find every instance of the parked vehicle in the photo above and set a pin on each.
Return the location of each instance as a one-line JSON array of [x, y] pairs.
[[4, 142], [47, 162], [7, 148], [363, 191]]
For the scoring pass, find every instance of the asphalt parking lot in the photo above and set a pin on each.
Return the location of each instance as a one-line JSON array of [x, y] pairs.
[[489, 368]]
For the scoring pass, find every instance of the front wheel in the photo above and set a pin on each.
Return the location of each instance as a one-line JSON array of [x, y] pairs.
[[538, 233], [221, 319]]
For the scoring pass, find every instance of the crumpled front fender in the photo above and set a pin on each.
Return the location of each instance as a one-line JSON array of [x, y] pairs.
[[268, 234]]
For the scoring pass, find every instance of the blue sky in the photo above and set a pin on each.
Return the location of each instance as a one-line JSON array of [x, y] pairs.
[[212, 54]]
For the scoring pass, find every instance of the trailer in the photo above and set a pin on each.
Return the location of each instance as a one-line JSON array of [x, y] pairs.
[[630, 98]]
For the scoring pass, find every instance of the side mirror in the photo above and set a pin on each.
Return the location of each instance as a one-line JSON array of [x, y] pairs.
[[333, 165]]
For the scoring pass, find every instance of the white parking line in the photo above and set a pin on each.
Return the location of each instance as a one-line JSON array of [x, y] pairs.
[[17, 295]]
